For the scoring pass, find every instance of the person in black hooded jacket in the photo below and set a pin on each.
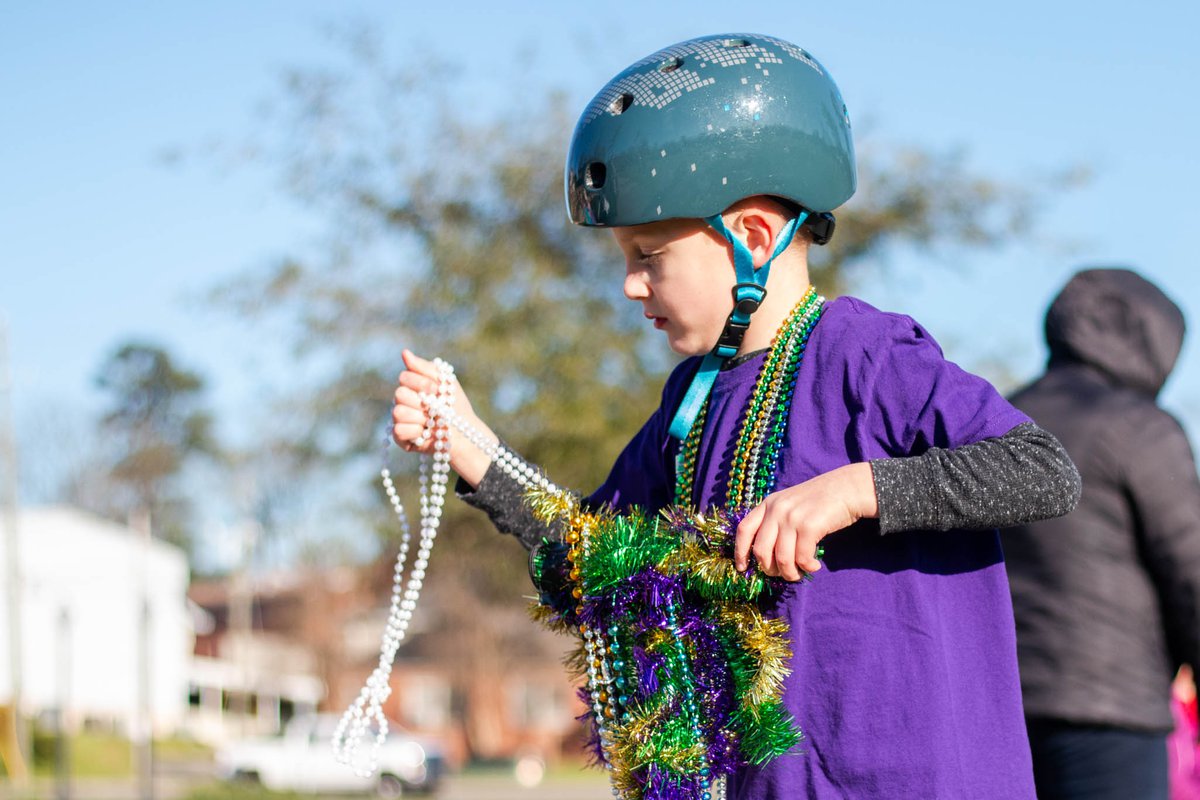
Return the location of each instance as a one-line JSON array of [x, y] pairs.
[[1107, 598]]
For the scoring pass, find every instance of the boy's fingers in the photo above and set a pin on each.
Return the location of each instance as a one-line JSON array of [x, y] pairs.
[[764, 546], [414, 362], [406, 397], [745, 538], [404, 433], [407, 415], [785, 557], [809, 562], [417, 382]]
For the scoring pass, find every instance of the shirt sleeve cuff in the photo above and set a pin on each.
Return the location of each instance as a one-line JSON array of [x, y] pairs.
[[905, 493], [500, 497]]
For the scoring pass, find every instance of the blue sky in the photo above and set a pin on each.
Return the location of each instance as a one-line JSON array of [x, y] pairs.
[[101, 241]]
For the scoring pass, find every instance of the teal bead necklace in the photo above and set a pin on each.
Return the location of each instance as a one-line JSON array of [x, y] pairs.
[[756, 454]]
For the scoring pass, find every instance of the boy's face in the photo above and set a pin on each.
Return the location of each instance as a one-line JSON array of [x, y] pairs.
[[681, 273]]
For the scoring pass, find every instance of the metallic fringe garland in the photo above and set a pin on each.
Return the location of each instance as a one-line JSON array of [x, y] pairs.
[[683, 671]]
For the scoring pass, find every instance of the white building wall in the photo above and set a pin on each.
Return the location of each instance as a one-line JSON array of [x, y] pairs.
[[83, 583]]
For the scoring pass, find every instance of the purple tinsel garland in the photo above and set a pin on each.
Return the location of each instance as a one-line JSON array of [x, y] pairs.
[[677, 653]]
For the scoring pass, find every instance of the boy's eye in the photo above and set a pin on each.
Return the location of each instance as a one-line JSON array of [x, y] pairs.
[[647, 258]]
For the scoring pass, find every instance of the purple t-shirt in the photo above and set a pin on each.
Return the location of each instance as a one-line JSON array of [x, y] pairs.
[[904, 671]]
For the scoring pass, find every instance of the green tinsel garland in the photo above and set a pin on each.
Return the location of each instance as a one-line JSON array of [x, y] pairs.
[[691, 671]]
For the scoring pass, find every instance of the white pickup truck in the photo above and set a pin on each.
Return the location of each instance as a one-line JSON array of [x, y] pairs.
[[302, 760]]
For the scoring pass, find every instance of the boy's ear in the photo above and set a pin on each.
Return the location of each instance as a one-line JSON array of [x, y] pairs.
[[759, 230]]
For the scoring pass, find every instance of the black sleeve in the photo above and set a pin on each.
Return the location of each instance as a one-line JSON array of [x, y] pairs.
[[1023, 476], [503, 500], [1160, 476]]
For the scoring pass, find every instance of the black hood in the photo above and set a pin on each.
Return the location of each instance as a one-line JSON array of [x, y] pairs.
[[1120, 323]]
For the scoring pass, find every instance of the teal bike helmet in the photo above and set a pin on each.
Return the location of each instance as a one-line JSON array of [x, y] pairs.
[[692, 129]]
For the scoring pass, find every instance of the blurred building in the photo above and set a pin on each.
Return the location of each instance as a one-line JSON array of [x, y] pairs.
[[254, 666], [110, 626], [484, 681], [106, 636]]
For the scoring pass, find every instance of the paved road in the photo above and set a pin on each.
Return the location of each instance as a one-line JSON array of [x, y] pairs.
[[551, 789], [587, 786]]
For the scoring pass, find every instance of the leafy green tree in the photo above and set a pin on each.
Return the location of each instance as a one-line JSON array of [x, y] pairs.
[[155, 423]]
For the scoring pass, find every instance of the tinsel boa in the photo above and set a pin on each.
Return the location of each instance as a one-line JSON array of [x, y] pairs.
[[684, 672]]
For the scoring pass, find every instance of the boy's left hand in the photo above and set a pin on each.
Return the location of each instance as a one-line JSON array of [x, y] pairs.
[[783, 531]]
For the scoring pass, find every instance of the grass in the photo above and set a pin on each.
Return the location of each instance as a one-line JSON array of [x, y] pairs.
[[177, 749], [105, 755], [91, 755]]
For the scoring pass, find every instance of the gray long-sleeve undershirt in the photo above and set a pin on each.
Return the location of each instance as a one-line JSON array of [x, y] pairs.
[[1022, 476]]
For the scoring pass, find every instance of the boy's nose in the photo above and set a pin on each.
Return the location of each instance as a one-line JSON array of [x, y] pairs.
[[635, 286]]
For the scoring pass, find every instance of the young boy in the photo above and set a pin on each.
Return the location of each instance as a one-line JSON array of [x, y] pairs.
[[716, 163]]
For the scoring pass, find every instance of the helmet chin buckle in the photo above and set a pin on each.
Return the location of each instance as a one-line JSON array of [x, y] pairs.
[[747, 297], [731, 338]]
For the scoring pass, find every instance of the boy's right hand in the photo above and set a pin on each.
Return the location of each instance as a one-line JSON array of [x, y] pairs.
[[409, 415], [784, 530]]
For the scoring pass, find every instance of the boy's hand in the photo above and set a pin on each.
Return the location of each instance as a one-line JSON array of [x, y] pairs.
[[783, 531], [408, 419]]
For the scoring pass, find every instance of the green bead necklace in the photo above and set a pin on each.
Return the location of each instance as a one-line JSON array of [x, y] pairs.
[[756, 454]]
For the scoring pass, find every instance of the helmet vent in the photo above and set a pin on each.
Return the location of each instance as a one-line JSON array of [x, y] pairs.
[[594, 175], [735, 43], [671, 64], [621, 104]]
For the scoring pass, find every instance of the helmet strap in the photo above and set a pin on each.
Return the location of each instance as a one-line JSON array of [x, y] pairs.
[[748, 294]]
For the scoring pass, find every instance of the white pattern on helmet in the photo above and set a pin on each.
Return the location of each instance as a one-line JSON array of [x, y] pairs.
[[657, 88]]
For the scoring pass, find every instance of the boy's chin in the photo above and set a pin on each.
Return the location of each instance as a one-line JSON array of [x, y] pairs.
[[686, 349]]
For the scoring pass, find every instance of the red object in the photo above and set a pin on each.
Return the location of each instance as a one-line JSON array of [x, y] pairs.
[[1183, 755]]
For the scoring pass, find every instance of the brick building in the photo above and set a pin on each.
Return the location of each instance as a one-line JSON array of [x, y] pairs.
[[484, 681]]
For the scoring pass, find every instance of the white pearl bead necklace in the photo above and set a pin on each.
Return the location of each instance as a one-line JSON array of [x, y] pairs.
[[356, 722], [509, 463], [368, 708]]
